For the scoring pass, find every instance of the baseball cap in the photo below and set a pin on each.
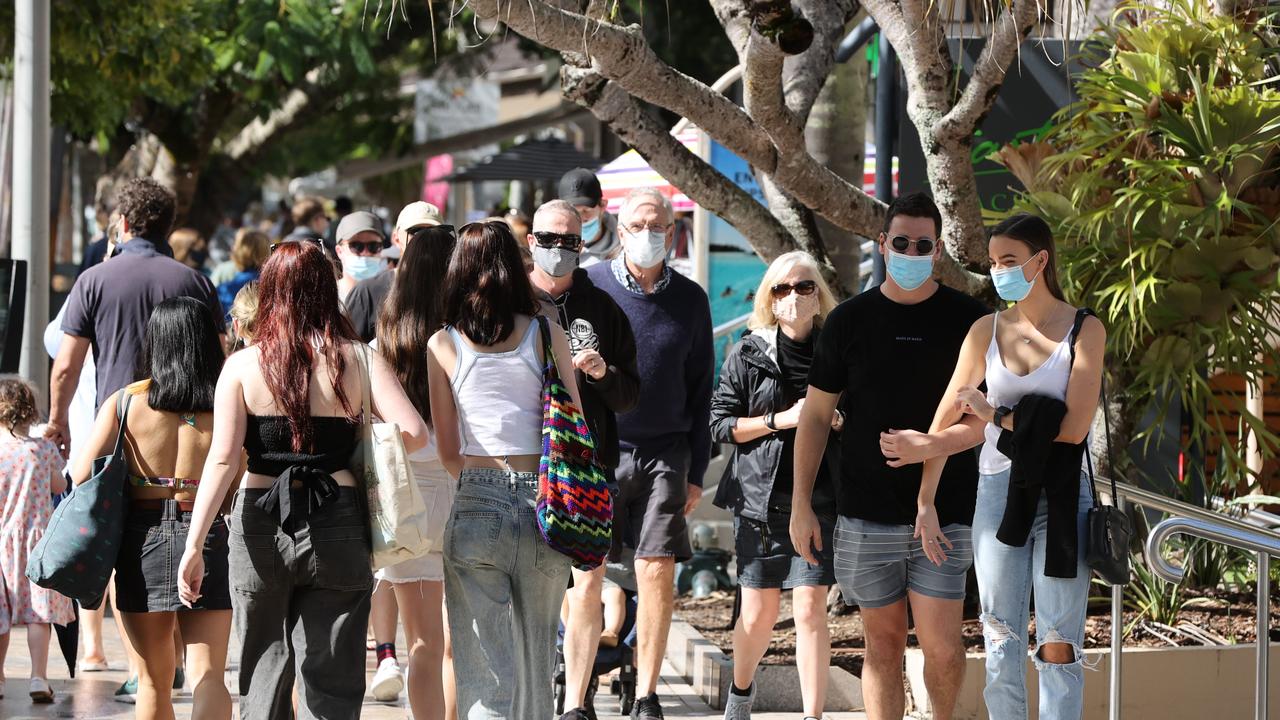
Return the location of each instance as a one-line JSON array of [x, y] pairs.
[[581, 187], [358, 222], [418, 214]]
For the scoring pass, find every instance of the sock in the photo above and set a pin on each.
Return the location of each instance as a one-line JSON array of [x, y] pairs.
[[386, 650], [733, 688]]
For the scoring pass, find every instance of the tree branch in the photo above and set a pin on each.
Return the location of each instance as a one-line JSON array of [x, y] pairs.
[[621, 55], [665, 154], [1012, 27]]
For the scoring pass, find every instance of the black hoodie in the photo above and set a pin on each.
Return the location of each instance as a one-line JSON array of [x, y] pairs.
[[593, 321]]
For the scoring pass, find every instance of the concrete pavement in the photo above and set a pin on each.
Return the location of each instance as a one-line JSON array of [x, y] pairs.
[[90, 694]]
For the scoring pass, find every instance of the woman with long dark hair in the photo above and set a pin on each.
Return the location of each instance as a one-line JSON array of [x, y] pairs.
[[299, 540], [503, 583], [168, 432], [1042, 362], [410, 316]]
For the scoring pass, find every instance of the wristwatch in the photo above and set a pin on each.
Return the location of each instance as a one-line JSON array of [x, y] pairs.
[[768, 422], [999, 417]]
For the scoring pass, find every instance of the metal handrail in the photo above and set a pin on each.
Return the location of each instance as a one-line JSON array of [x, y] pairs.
[[1188, 519]]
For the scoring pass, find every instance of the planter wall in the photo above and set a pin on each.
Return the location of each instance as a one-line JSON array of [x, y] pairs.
[[1158, 683], [709, 672]]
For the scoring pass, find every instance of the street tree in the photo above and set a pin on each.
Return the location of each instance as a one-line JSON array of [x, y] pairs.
[[786, 49]]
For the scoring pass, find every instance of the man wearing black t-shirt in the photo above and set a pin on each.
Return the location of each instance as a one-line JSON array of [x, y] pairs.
[[891, 352]]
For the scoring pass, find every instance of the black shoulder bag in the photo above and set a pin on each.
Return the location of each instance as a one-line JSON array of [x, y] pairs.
[[1108, 530]]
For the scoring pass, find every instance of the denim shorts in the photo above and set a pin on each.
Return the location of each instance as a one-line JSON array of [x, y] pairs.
[[876, 564], [767, 559], [150, 552]]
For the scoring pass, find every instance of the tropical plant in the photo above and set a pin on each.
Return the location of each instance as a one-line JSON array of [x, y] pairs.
[[1161, 183]]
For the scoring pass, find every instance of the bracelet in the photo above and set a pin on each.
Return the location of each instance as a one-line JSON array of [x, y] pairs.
[[768, 422]]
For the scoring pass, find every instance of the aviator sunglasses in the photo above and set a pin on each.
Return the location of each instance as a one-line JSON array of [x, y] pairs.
[[901, 243], [804, 287]]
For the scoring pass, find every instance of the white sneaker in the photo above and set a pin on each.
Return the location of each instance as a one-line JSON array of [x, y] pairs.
[[40, 691], [388, 681]]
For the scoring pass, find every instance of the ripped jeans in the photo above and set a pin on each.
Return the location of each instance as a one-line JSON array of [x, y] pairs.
[[1006, 577]]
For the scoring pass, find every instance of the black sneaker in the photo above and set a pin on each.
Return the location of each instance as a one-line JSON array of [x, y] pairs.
[[577, 714], [647, 707]]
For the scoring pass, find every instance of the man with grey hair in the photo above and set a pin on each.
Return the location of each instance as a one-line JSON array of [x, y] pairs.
[[666, 440], [604, 354]]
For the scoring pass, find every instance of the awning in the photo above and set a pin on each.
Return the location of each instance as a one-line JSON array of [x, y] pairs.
[[532, 160]]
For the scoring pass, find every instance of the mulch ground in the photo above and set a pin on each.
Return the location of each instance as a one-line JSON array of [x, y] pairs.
[[1218, 617]]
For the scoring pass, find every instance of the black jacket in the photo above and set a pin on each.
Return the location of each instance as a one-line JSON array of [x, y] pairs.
[[1042, 465], [750, 386], [593, 321]]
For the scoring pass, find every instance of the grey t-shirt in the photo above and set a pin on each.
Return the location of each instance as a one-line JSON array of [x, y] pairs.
[[111, 303]]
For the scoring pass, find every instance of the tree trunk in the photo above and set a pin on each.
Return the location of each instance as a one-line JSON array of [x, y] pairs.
[[837, 136]]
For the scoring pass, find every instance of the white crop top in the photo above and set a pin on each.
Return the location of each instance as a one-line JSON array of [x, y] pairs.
[[499, 397], [1006, 388]]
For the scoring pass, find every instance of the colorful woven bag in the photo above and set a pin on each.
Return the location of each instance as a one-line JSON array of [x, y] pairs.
[[575, 509]]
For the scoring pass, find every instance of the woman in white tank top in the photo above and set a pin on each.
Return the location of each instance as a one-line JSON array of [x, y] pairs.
[[503, 583], [1023, 350]]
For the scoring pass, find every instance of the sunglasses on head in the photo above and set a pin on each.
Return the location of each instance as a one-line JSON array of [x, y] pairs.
[[569, 241], [902, 243], [317, 241], [804, 287]]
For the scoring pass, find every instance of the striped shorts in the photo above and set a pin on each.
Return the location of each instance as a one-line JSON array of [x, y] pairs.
[[876, 564]]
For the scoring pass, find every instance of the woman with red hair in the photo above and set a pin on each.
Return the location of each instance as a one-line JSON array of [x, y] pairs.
[[299, 541]]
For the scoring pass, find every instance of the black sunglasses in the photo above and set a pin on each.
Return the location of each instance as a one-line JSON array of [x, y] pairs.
[[804, 287], [568, 241], [362, 247], [901, 243]]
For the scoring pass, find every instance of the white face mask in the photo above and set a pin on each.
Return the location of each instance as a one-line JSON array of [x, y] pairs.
[[646, 249], [796, 308]]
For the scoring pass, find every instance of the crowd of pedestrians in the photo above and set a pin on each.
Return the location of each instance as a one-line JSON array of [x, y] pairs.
[[238, 391]]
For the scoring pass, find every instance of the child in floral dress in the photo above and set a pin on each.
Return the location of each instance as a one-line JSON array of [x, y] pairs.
[[30, 474]]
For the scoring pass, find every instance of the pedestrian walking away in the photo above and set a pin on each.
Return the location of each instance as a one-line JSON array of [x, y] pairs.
[[889, 353], [299, 547], [503, 583], [167, 420], [30, 475]]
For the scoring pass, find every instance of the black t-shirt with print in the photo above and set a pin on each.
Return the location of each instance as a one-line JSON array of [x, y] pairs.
[[893, 363]]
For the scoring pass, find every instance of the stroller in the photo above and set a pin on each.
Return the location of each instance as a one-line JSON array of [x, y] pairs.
[[608, 659]]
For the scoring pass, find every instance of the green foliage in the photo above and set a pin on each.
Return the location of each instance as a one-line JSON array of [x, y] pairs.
[[1162, 187], [1151, 597]]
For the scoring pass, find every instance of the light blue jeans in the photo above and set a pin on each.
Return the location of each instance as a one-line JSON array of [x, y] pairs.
[[1006, 577], [503, 586]]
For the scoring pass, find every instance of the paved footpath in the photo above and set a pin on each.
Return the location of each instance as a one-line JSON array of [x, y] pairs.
[[89, 695]]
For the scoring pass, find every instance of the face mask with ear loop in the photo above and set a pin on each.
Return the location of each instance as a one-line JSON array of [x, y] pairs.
[[1012, 284]]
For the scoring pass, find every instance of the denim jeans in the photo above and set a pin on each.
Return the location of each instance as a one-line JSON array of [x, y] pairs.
[[1006, 577], [301, 607], [503, 586]]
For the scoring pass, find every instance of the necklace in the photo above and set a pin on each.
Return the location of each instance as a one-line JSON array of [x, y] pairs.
[[1024, 337]]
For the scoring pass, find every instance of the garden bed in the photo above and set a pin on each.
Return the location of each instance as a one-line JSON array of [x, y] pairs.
[[1217, 617]]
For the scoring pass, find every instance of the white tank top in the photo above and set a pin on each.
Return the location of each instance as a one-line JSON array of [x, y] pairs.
[[499, 397], [1006, 388]]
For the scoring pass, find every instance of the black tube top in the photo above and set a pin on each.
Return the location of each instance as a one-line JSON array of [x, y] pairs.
[[269, 444]]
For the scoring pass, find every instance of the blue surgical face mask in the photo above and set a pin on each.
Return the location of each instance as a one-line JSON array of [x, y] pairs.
[[590, 229], [362, 267], [909, 271], [1012, 283]]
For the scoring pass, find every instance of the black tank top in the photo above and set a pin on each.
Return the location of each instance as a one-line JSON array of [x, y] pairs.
[[269, 443]]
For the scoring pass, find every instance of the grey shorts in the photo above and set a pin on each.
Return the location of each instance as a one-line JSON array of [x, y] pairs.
[[648, 507], [876, 564]]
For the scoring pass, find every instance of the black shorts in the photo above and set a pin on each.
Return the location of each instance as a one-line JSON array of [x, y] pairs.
[[147, 567], [767, 559]]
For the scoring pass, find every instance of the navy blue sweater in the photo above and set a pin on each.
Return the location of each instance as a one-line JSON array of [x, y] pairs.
[[676, 362]]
